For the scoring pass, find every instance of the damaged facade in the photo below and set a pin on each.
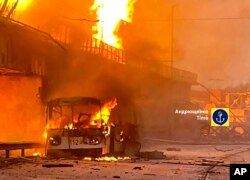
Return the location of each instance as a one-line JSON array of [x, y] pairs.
[[25, 57], [145, 94]]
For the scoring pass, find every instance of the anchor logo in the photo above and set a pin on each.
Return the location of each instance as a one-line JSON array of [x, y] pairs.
[[220, 117]]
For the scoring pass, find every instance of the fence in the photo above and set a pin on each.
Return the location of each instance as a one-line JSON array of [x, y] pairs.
[[97, 47]]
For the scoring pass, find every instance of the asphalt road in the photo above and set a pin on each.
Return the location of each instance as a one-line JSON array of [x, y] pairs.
[[181, 162]]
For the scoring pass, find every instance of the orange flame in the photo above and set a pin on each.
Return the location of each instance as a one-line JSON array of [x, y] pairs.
[[106, 159], [38, 154], [45, 135], [110, 14], [104, 113], [99, 117], [21, 6]]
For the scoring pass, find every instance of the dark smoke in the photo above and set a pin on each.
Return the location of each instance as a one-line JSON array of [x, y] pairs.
[[215, 48]]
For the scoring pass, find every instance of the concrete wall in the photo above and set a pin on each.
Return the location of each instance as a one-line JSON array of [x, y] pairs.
[[20, 109]]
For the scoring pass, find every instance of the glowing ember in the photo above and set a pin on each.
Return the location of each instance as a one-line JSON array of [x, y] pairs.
[[45, 134], [105, 111], [106, 159], [110, 14], [87, 159], [37, 154], [70, 126]]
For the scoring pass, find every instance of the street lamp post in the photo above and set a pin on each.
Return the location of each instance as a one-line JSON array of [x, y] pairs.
[[172, 42]]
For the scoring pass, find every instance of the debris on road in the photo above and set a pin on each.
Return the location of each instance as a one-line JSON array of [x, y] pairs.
[[173, 149], [57, 165], [117, 177], [213, 160], [222, 149], [96, 169], [197, 163], [172, 162], [152, 155], [147, 174], [137, 168]]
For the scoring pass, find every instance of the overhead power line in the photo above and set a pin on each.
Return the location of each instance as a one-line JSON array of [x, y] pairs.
[[80, 19], [194, 19], [212, 19], [55, 13], [146, 20]]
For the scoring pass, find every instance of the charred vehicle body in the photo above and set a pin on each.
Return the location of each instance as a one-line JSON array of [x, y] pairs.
[[80, 126], [76, 126]]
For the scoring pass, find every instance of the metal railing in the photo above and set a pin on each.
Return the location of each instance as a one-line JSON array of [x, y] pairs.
[[171, 73], [19, 145], [97, 47]]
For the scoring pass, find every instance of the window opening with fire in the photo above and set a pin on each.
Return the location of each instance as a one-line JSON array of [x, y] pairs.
[[75, 116]]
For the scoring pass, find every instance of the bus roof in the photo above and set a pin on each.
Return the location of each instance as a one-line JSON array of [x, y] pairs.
[[68, 101]]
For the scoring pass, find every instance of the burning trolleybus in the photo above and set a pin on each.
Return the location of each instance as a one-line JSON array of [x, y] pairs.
[[76, 126]]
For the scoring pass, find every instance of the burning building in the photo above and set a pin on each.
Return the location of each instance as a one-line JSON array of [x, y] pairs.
[[99, 90], [96, 67], [26, 54]]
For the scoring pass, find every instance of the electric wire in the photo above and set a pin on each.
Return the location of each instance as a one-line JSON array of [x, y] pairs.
[[55, 13], [146, 20], [191, 19]]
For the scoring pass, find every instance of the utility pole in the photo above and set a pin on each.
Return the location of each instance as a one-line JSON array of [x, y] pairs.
[[172, 42], [102, 21]]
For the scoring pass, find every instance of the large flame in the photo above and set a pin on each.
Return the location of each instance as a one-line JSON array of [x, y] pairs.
[[110, 14], [21, 4], [98, 119], [104, 113]]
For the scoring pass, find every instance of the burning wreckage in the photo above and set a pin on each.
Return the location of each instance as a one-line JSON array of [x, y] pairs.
[[80, 126]]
